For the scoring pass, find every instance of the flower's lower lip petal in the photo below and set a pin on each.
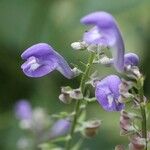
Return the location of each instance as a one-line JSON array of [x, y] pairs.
[[41, 59], [101, 97], [41, 71], [107, 93]]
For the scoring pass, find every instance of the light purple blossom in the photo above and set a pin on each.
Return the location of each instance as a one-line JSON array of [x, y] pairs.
[[131, 59], [60, 128], [105, 33], [23, 110], [41, 59], [107, 93]]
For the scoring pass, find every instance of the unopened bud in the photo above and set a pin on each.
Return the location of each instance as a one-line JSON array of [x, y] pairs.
[[91, 128], [76, 94], [65, 98], [66, 89], [79, 45], [105, 61]]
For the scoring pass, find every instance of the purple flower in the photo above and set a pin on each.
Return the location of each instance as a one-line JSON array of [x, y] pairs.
[[131, 59], [105, 33], [41, 59], [60, 128], [107, 93], [23, 110]]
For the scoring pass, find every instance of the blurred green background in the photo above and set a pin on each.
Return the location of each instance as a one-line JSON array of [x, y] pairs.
[[26, 22]]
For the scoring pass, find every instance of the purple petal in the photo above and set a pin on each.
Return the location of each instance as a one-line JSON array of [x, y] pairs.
[[41, 59], [107, 93], [131, 59], [105, 31], [60, 128], [23, 110]]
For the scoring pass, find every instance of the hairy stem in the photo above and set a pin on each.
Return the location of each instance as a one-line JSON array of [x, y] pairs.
[[78, 103], [143, 113]]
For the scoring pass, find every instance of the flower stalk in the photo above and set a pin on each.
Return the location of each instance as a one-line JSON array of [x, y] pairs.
[[143, 111], [79, 102]]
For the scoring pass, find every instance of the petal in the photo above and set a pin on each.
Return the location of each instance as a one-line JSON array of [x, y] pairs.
[[41, 59], [93, 36], [108, 29], [34, 67], [107, 93], [37, 50]]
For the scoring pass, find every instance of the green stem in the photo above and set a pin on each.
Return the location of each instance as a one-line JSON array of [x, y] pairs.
[[143, 113], [78, 103]]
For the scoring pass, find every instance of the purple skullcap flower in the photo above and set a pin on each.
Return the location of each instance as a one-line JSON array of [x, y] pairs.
[[131, 59], [107, 93], [105, 33], [23, 110], [60, 128], [41, 59]]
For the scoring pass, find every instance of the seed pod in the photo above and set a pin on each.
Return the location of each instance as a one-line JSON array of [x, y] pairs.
[[91, 128]]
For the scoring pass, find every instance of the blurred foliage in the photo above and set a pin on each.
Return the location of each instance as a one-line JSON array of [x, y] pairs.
[[26, 22]]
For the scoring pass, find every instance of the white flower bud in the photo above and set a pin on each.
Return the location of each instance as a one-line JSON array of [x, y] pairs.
[[79, 45], [76, 94], [65, 98]]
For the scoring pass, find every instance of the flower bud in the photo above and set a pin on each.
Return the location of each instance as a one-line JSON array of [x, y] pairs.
[[76, 94], [79, 45], [65, 98], [65, 95], [91, 128], [105, 61]]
